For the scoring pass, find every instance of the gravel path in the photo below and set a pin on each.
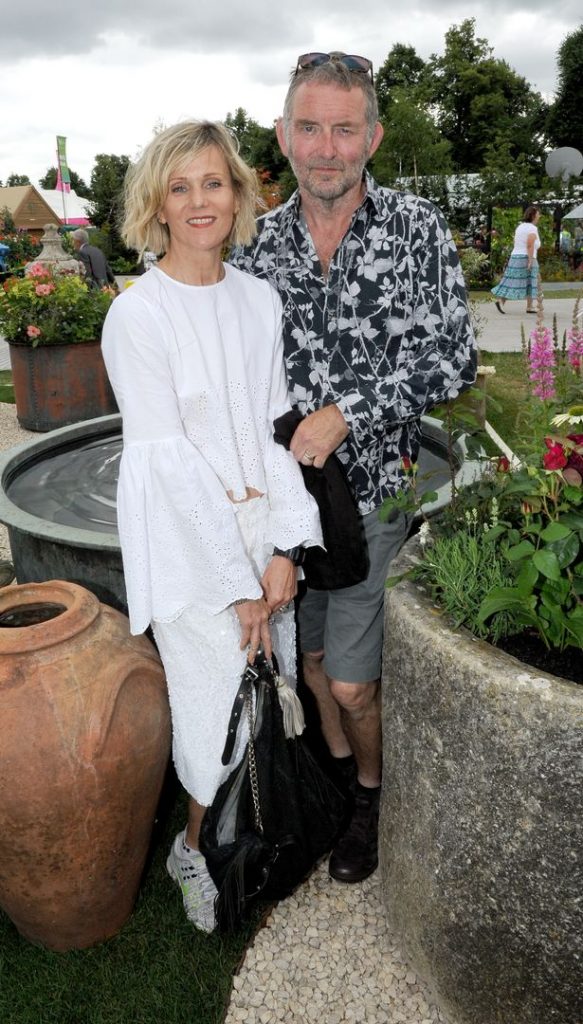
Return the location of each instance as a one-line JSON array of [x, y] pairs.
[[325, 954]]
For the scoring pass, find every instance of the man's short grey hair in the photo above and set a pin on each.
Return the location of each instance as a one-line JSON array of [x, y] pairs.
[[80, 235], [333, 73]]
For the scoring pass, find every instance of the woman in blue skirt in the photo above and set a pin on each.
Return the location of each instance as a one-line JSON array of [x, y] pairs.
[[520, 278]]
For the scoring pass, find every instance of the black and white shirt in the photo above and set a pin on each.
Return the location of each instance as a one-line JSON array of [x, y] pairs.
[[385, 336]]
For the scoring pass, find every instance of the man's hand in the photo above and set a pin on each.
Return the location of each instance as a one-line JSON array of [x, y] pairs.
[[253, 617], [279, 583], [318, 435]]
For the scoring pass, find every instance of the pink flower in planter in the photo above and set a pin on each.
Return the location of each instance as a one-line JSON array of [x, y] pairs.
[[36, 270], [33, 332], [44, 289]]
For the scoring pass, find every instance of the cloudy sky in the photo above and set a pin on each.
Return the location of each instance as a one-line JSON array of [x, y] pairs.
[[104, 73]]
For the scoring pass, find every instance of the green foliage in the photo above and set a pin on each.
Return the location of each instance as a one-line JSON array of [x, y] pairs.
[[258, 146], [480, 100], [461, 571], [47, 308], [107, 181], [565, 118], [17, 179], [6, 389], [7, 220], [411, 146], [541, 535], [475, 267], [403, 69], [507, 553], [49, 180], [23, 248]]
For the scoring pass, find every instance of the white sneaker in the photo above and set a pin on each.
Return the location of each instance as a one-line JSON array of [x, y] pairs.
[[188, 869]]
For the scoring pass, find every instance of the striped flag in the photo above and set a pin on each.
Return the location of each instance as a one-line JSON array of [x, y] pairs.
[[63, 176]]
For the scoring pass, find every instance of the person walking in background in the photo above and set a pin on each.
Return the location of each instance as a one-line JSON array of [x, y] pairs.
[[376, 332], [212, 513], [98, 272], [520, 277]]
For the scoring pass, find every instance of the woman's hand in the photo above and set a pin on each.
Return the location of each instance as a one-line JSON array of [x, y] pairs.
[[253, 617], [279, 582]]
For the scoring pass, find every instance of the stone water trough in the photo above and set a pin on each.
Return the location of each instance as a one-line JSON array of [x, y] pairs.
[[481, 839]]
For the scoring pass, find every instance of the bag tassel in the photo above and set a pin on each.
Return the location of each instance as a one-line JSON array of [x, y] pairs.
[[294, 722]]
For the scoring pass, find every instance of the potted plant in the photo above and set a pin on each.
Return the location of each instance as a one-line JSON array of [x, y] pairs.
[[52, 321], [480, 832]]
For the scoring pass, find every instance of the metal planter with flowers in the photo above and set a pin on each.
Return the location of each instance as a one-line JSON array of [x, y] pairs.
[[52, 321]]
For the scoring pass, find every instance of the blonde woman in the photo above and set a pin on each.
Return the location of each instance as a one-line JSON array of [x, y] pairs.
[[212, 514]]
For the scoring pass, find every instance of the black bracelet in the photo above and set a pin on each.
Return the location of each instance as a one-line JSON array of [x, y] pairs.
[[295, 555]]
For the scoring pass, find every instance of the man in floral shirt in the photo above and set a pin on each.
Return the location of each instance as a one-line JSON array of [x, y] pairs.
[[376, 332]]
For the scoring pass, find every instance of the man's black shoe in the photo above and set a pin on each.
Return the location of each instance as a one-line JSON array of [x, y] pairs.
[[355, 855]]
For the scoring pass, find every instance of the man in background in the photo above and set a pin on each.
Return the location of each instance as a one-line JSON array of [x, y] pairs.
[[98, 272]]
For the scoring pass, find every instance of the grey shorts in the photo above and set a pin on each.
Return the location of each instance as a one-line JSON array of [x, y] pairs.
[[347, 624]]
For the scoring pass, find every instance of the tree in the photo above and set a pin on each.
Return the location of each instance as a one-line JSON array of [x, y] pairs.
[[257, 145], [411, 146], [106, 193], [402, 69], [49, 180], [480, 100], [565, 120], [504, 180], [17, 179]]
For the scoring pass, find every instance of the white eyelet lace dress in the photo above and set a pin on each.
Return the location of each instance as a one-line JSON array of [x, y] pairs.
[[199, 378]]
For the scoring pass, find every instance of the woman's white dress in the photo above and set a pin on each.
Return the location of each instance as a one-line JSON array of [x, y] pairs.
[[199, 377]]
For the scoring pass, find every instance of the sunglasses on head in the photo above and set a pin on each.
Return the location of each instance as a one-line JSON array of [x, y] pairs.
[[361, 65]]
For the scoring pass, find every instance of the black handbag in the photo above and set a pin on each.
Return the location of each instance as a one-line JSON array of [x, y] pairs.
[[345, 561], [277, 813]]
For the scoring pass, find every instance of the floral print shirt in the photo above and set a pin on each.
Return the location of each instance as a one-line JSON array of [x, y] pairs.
[[385, 336]]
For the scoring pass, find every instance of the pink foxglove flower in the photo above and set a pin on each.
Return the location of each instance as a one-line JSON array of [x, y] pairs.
[[542, 363], [575, 347]]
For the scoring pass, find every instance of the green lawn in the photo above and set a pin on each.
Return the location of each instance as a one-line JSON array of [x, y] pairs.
[[6, 389]]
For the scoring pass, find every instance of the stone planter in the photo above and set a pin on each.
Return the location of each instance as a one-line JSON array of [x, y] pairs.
[[55, 385], [84, 741], [481, 825]]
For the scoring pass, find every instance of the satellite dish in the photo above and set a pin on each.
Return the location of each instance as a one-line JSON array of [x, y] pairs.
[[564, 163]]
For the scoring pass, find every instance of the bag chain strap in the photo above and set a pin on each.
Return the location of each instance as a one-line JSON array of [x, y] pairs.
[[252, 759]]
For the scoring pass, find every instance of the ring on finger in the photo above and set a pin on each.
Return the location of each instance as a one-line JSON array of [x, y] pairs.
[[308, 456]]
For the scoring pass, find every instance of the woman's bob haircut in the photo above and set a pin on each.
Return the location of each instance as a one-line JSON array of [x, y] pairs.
[[146, 184]]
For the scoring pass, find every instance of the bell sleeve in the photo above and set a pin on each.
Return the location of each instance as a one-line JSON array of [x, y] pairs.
[[179, 536]]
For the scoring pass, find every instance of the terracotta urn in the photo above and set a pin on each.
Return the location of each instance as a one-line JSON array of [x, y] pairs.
[[84, 745]]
